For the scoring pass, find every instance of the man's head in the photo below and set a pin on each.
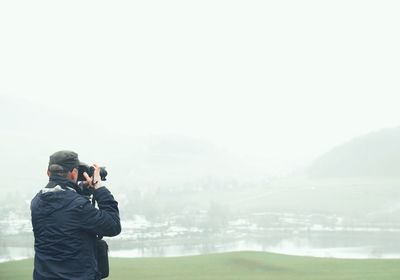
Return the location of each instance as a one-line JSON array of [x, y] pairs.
[[65, 164]]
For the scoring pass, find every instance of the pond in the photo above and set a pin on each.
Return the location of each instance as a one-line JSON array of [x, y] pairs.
[[353, 245]]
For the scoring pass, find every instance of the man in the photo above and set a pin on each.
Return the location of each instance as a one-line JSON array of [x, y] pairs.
[[66, 224]]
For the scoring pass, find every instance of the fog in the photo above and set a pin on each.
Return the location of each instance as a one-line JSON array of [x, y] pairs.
[[217, 120]]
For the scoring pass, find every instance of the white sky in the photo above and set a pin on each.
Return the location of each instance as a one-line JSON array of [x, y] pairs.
[[286, 80]]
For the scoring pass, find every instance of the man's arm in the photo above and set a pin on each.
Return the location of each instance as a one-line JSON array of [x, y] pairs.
[[104, 221]]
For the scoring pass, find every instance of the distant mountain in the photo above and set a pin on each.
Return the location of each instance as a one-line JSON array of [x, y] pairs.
[[163, 160], [375, 154], [31, 132]]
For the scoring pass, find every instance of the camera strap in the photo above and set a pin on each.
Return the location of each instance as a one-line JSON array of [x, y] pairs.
[[99, 237], [101, 252]]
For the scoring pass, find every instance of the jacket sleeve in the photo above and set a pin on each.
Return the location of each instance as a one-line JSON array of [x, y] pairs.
[[105, 220]]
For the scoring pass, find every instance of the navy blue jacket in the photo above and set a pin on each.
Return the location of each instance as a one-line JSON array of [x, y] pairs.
[[65, 225]]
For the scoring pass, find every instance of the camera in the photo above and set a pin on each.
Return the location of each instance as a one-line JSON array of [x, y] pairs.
[[90, 171], [81, 188]]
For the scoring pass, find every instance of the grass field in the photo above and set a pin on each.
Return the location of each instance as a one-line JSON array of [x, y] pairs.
[[233, 266]]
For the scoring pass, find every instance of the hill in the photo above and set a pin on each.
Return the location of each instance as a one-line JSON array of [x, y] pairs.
[[239, 265], [376, 154], [33, 131]]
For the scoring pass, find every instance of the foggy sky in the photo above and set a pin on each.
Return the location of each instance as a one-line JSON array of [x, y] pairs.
[[284, 80]]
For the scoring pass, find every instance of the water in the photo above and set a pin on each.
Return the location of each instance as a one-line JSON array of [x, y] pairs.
[[293, 246], [353, 244], [15, 253]]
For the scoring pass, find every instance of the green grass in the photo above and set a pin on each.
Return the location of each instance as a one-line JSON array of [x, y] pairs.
[[233, 266]]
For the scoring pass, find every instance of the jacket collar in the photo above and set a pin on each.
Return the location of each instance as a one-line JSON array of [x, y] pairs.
[[64, 183]]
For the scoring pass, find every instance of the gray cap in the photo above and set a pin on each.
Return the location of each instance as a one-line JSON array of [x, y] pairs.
[[63, 161]]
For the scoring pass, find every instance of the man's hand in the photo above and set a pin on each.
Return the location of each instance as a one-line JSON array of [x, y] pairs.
[[95, 181]]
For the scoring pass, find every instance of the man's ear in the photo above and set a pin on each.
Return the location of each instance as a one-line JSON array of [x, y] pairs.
[[74, 174], [48, 173]]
